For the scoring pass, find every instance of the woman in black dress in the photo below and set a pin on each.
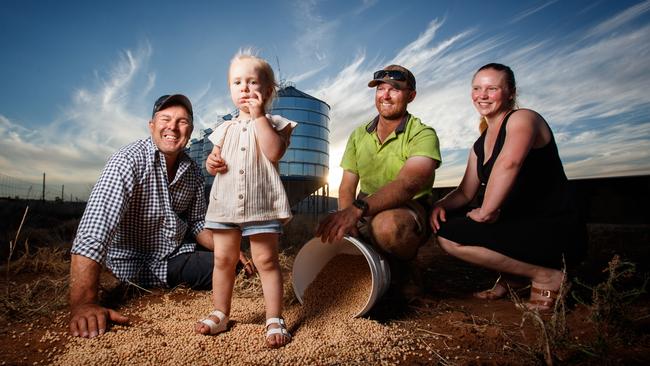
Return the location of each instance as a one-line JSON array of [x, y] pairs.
[[526, 225]]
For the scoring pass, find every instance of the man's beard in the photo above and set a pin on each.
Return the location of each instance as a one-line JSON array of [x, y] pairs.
[[393, 115]]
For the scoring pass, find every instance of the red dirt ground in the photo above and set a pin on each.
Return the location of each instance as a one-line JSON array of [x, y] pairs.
[[459, 329]]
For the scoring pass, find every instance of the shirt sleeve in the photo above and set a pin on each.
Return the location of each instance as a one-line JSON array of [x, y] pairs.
[[196, 217], [349, 159], [280, 123], [219, 134], [425, 143], [106, 205]]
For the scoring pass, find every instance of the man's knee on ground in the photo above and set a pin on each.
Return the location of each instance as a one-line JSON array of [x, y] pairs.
[[395, 232]]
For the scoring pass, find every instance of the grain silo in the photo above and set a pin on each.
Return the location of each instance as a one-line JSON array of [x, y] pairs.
[[206, 149], [305, 165]]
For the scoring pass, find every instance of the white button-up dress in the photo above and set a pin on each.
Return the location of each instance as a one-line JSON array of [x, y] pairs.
[[251, 189]]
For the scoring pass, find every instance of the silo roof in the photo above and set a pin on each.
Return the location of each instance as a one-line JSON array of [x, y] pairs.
[[291, 91]]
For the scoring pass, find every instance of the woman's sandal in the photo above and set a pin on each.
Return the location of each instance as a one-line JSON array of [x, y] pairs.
[[501, 289], [542, 305], [549, 297], [281, 329], [216, 328]]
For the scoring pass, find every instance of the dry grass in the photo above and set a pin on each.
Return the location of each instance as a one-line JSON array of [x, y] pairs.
[[251, 287], [611, 313], [552, 331], [42, 297], [49, 261], [12, 246], [44, 293], [299, 231]]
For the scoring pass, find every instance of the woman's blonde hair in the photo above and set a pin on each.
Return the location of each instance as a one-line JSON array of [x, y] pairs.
[[510, 83], [267, 77]]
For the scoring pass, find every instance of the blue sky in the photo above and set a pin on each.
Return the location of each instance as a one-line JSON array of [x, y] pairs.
[[79, 77]]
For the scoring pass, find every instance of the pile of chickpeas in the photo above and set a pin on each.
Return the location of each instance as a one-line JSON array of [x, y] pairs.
[[323, 328]]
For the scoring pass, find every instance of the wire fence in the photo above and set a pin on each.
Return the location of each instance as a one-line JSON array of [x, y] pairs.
[[15, 188]]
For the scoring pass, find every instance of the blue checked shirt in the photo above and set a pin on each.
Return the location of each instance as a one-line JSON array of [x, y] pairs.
[[135, 220]]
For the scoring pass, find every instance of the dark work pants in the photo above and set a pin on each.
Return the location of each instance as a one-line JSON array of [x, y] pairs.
[[191, 269]]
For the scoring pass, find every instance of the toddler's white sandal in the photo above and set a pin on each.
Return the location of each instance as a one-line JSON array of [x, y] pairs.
[[282, 329], [216, 328]]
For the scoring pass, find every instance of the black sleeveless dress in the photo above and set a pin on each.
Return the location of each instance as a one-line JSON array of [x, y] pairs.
[[539, 223]]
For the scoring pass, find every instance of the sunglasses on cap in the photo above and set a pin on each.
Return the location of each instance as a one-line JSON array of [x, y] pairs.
[[390, 74]]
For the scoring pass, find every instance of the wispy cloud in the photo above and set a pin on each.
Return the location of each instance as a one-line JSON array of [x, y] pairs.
[[365, 5], [623, 149], [620, 19], [74, 146], [442, 69], [601, 79], [590, 86], [528, 12], [305, 75], [315, 32], [349, 98], [589, 6], [209, 105], [570, 83]]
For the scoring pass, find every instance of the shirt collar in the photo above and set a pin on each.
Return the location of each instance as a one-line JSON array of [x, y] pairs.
[[372, 126], [183, 160], [153, 149]]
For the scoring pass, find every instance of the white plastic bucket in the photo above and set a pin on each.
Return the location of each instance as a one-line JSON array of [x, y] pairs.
[[315, 254]]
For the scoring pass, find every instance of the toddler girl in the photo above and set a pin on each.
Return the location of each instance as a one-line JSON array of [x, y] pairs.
[[247, 196]]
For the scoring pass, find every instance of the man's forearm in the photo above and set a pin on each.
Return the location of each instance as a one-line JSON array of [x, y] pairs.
[[84, 280], [412, 178], [204, 239], [345, 199], [390, 196], [347, 189]]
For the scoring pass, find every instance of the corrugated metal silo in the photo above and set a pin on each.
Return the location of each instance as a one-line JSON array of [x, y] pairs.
[[206, 150], [305, 165]]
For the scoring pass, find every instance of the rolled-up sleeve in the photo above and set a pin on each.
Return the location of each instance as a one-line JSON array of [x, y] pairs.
[[196, 217], [106, 205]]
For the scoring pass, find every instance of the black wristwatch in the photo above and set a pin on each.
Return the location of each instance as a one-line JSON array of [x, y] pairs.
[[361, 205]]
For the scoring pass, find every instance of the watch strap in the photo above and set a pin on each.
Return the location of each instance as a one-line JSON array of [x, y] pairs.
[[361, 205]]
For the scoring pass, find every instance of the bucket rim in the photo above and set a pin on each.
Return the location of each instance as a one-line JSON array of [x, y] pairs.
[[378, 272]]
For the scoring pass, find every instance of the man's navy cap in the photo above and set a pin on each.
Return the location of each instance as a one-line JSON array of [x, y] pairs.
[[175, 99]]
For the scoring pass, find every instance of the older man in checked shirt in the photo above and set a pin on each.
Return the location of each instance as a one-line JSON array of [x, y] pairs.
[[149, 196]]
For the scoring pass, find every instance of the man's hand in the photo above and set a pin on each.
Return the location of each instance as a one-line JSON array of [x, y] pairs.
[[87, 318], [249, 267], [338, 224], [92, 320]]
